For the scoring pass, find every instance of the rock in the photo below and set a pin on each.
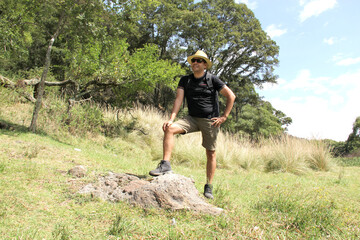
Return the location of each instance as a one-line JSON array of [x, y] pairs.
[[78, 171], [169, 191]]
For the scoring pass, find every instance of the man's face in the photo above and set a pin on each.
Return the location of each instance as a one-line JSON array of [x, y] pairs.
[[198, 65]]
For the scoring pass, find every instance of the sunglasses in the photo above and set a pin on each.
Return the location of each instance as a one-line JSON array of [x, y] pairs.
[[197, 60]]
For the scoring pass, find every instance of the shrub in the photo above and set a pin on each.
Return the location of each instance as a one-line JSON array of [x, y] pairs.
[[83, 118]]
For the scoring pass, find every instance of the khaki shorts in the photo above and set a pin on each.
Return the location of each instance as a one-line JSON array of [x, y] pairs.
[[209, 133]]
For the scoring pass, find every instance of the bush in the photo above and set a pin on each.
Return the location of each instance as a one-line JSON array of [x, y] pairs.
[[83, 118]]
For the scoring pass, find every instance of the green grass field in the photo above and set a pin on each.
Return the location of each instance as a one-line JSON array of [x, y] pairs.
[[281, 189]]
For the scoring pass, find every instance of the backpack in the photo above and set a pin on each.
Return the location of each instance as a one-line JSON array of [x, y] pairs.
[[210, 82]]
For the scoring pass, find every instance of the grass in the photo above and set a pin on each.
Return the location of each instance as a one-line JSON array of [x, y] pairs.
[[278, 189], [349, 162]]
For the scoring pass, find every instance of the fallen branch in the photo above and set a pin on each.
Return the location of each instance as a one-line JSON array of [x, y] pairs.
[[7, 83], [82, 90], [36, 81], [107, 84]]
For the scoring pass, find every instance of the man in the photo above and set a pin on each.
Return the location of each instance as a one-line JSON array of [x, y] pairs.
[[200, 90]]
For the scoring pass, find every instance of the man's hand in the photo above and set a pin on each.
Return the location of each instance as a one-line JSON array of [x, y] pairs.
[[167, 124], [217, 121]]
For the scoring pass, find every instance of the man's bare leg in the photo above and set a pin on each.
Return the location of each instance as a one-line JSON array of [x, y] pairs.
[[210, 165], [168, 141], [168, 145], [210, 172]]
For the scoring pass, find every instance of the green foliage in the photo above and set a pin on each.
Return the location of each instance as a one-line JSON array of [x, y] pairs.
[[94, 61], [337, 149], [84, 118], [15, 37], [144, 73], [260, 121], [231, 35], [349, 148], [353, 141], [145, 65], [133, 75]]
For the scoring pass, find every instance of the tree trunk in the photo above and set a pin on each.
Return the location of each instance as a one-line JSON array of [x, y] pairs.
[[40, 89]]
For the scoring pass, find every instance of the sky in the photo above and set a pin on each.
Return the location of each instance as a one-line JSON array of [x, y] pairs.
[[319, 64]]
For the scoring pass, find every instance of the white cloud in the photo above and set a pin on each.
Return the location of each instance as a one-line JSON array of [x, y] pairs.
[[315, 8], [351, 78], [348, 61], [273, 86], [328, 113], [250, 4], [330, 40], [304, 81], [302, 2], [338, 57], [314, 118], [275, 30]]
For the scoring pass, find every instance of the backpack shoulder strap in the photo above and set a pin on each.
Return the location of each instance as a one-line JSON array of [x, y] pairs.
[[209, 80], [187, 81]]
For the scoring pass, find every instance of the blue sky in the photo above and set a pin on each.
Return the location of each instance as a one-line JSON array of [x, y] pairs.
[[319, 70]]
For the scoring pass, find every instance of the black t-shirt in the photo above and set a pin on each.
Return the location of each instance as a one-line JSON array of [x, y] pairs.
[[201, 100]]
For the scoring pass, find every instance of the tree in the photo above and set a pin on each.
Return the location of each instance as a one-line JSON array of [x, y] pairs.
[[353, 142], [234, 40], [58, 15], [260, 121], [15, 35]]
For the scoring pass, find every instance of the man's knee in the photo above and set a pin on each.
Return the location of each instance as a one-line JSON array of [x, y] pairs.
[[210, 153], [173, 129]]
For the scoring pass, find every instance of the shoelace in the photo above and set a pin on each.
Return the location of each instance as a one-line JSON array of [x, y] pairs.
[[159, 166]]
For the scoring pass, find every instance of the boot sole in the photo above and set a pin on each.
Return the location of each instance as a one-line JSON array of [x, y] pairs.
[[209, 196], [159, 174]]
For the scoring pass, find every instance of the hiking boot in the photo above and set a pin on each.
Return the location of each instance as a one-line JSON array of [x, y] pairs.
[[208, 191], [162, 168]]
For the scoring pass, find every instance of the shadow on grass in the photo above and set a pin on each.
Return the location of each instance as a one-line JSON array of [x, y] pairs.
[[13, 129]]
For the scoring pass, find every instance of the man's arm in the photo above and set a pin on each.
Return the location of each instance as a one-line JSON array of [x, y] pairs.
[[230, 99], [176, 108]]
